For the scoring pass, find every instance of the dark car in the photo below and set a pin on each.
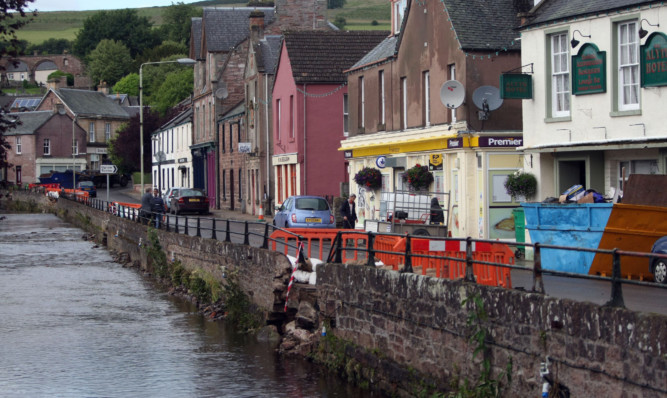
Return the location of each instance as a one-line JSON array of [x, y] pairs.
[[168, 195], [304, 212], [658, 266], [87, 186], [189, 199]]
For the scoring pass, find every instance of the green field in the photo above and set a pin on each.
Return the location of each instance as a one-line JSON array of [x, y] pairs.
[[359, 15]]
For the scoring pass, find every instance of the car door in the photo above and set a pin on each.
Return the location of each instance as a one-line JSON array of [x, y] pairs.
[[283, 213]]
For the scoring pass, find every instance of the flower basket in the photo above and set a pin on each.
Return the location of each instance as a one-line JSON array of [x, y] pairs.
[[418, 177], [521, 184], [369, 177]]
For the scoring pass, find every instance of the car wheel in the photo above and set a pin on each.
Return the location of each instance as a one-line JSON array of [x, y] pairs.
[[286, 225], [421, 232], [660, 271]]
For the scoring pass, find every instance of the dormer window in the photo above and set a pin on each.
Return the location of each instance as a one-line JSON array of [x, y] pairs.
[[398, 11]]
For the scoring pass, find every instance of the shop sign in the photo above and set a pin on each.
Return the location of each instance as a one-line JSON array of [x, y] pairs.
[[182, 160], [589, 70], [435, 162], [654, 61], [245, 147], [381, 162], [499, 142], [453, 143], [284, 159], [347, 154], [516, 86]]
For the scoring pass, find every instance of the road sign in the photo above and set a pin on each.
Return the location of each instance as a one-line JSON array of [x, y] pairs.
[[108, 169]]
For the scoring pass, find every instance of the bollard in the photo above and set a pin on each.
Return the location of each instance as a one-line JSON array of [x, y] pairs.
[[538, 282], [616, 286], [371, 252], [228, 237], [176, 224], [186, 226], [470, 273], [213, 234], [198, 235]]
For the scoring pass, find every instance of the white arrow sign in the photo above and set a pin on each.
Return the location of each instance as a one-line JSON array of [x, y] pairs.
[[108, 169]]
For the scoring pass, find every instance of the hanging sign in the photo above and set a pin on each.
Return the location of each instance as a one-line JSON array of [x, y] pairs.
[[381, 162], [435, 162], [516, 86], [589, 69], [654, 61]]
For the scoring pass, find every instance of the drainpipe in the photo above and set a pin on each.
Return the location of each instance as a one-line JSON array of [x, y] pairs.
[[305, 151], [217, 165]]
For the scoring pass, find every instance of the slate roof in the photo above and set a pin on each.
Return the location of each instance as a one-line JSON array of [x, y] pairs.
[[90, 103], [227, 27], [47, 65], [483, 24], [322, 56], [183, 117], [384, 50], [196, 37], [268, 52], [561, 10], [30, 121], [20, 66]]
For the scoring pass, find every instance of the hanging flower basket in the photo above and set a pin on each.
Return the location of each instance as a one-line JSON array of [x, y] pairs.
[[418, 177], [521, 184], [369, 177]]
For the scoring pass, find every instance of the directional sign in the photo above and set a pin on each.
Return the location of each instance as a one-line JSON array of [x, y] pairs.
[[108, 169]]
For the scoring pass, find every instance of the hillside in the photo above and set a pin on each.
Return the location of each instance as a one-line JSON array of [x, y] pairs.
[[359, 15]]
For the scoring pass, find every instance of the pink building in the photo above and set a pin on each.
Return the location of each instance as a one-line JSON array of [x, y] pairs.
[[310, 109]]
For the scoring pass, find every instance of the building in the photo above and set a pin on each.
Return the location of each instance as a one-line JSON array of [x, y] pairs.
[[599, 87], [173, 166], [308, 101], [412, 101]]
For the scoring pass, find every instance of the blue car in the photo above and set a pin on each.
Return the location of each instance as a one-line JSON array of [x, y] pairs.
[[87, 186], [304, 212], [658, 266]]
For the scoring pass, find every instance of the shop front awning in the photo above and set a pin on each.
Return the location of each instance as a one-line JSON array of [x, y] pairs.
[[604, 145]]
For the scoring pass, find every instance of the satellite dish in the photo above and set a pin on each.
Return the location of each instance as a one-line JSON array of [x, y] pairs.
[[452, 94], [487, 98], [222, 92]]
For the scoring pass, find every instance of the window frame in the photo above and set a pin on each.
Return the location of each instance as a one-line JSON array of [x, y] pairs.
[[91, 131], [19, 146], [554, 92], [346, 115], [47, 147], [633, 66]]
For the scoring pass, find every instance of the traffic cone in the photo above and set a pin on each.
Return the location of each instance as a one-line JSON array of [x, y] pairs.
[[261, 212]]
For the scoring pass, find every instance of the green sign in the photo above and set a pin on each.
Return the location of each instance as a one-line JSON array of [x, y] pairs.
[[654, 60], [589, 70], [516, 86]]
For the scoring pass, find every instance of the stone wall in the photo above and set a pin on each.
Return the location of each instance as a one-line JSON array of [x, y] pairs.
[[420, 323]]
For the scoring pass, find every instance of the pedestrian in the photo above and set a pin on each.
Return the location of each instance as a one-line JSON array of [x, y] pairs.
[[146, 206], [349, 212], [437, 215], [157, 207]]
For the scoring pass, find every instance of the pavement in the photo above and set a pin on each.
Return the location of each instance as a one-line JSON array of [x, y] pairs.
[[135, 193]]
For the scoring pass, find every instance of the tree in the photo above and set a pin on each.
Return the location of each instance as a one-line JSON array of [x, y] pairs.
[[331, 4], [165, 50], [124, 26], [9, 44], [177, 21], [109, 62], [50, 46], [128, 85], [175, 88]]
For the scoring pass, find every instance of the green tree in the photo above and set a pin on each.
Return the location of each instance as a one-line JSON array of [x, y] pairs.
[[165, 50], [109, 62], [128, 85], [120, 25], [175, 88], [331, 4], [59, 73], [50, 46], [178, 21]]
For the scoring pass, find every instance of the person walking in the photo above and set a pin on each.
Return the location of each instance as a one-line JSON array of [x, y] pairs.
[[157, 207], [349, 212], [146, 207]]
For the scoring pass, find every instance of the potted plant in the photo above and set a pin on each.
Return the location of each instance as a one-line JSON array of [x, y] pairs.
[[369, 177], [419, 178], [521, 185]]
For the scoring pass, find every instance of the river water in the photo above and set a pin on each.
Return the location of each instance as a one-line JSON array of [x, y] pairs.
[[73, 323]]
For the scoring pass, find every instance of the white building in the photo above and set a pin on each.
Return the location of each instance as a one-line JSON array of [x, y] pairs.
[[173, 142], [599, 93]]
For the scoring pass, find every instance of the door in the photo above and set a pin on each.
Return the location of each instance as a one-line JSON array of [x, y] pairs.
[[19, 178], [231, 189]]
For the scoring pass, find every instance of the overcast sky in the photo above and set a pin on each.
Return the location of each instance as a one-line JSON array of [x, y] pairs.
[[81, 5]]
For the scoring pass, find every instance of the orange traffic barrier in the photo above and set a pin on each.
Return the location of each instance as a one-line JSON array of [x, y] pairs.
[[321, 236]]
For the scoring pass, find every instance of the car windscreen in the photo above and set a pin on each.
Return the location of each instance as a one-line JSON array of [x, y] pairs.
[[190, 192], [86, 184], [312, 204]]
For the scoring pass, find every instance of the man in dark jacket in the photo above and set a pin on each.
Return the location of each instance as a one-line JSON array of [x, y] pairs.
[[157, 207], [349, 212], [146, 206]]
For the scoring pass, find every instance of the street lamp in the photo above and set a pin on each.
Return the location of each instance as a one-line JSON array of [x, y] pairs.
[[182, 61]]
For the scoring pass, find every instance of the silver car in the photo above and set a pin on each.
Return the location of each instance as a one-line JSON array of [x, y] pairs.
[[168, 195]]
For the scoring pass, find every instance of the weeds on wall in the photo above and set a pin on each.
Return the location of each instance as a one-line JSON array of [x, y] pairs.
[[238, 306]]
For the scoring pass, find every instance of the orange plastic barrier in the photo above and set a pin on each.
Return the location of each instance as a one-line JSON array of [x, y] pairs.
[[321, 236], [128, 208]]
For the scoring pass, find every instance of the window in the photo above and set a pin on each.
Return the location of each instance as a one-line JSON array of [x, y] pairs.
[[95, 162], [426, 82], [452, 76], [291, 116], [203, 120], [107, 132], [19, 147], [560, 76], [197, 123], [75, 147], [404, 103], [382, 98], [628, 66], [47, 146], [646, 166], [399, 12], [278, 119], [362, 103], [91, 131], [231, 138], [224, 184], [222, 136], [346, 116]]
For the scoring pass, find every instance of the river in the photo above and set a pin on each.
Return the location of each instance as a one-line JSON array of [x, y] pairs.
[[74, 323]]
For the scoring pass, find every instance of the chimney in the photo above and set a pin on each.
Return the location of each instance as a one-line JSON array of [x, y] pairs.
[[103, 88], [56, 83], [256, 26]]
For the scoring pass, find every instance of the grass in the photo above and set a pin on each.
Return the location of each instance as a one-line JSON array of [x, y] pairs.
[[65, 24]]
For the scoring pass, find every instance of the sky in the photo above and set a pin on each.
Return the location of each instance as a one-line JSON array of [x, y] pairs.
[[83, 5]]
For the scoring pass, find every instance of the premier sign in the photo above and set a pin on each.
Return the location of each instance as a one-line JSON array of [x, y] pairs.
[[500, 142]]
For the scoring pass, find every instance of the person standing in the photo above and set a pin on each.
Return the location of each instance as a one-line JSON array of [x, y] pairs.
[[157, 207], [349, 212], [146, 206]]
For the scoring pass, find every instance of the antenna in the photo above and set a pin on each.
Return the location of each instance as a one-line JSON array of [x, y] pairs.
[[486, 98], [222, 92], [452, 94]]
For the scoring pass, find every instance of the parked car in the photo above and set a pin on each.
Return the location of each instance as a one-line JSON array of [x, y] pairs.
[[189, 199], [304, 212], [658, 266], [87, 186], [168, 195]]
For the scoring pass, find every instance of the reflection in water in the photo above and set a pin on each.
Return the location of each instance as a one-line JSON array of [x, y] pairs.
[[74, 323]]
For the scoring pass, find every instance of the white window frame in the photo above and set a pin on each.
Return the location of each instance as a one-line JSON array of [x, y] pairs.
[[427, 99], [362, 102], [628, 66], [560, 75], [346, 116], [75, 147], [404, 104], [107, 132], [47, 146], [383, 117], [399, 13], [19, 147], [91, 131]]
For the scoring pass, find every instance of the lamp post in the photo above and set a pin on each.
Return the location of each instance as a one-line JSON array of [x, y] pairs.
[[74, 153], [182, 61]]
